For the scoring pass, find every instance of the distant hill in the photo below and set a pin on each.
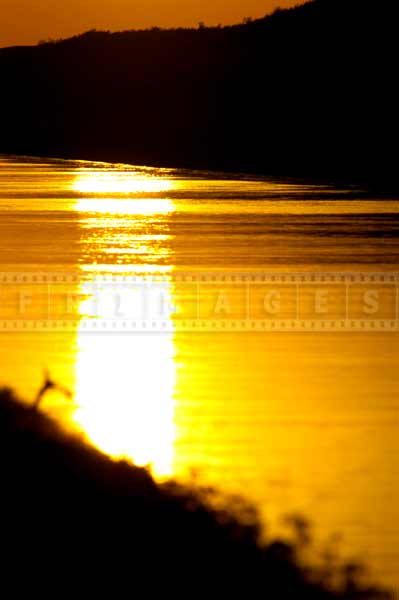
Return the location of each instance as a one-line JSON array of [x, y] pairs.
[[307, 91]]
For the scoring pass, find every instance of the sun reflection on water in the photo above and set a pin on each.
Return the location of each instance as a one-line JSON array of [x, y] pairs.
[[119, 182], [124, 206], [125, 381], [124, 388]]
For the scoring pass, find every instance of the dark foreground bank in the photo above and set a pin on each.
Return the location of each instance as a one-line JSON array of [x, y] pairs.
[[75, 521], [307, 92]]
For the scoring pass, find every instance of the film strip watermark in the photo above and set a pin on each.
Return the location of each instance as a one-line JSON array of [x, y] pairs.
[[201, 301]]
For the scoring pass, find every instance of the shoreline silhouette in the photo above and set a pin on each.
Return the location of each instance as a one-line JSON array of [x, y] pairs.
[[53, 489], [305, 92]]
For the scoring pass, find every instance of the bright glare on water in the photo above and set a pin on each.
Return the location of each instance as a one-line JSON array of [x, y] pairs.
[[156, 320]]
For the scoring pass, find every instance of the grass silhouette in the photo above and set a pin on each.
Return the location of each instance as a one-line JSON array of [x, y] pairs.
[[73, 519]]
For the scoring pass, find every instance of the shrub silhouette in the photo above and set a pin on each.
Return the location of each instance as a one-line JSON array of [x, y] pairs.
[[75, 519]]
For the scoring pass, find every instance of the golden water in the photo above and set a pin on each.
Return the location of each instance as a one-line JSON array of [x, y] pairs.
[[150, 294]]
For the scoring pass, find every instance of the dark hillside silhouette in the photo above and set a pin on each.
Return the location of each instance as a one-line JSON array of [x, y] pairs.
[[307, 91], [77, 522]]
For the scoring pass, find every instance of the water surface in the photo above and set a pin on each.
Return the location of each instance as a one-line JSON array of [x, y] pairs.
[[149, 293]]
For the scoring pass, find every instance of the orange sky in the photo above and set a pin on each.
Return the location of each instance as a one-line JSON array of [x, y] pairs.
[[27, 21]]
